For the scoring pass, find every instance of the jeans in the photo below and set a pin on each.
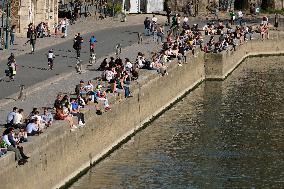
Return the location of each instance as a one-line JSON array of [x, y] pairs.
[[126, 91], [80, 116], [240, 21], [155, 37], [248, 36], [78, 52], [12, 40], [147, 31], [33, 46], [160, 36]]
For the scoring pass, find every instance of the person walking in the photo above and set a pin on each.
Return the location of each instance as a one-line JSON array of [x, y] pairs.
[[12, 35], [240, 17], [33, 37], [160, 33], [147, 26], [276, 21], [12, 67], [50, 59], [64, 25], [169, 12], [78, 40], [93, 42], [216, 12]]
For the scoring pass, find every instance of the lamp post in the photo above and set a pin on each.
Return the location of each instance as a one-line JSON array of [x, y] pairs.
[[8, 11], [6, 5], [2, 20], [113, 8]]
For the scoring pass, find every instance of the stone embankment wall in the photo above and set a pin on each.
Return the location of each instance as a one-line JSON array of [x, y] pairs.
[[58, 155], [218, 66]]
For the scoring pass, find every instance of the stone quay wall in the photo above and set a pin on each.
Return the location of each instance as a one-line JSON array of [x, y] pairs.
[[219, 66], [58, 155]]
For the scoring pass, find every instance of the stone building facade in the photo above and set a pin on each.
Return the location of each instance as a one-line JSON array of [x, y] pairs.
[[24, 12], [240, 4]]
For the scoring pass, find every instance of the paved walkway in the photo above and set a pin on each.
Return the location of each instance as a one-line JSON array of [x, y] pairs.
[[46, 95], [84, 25], [44, 92], [32, 69]]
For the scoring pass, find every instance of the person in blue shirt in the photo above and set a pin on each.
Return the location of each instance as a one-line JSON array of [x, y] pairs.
[[75, 112], [93, 42]]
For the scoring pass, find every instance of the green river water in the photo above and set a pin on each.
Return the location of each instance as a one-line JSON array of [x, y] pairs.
[[224, 134]]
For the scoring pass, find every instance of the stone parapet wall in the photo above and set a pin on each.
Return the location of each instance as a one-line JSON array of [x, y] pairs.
[[218, 66], [58, 155]]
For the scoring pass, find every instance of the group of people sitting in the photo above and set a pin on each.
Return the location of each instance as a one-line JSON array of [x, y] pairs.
[[43, 30], [67, 107], [32, 125]]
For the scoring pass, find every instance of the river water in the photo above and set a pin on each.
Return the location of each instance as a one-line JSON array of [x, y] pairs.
[[222, 135]]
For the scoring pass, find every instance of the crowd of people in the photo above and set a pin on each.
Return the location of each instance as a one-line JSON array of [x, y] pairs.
[[32, 125], [177, 43]]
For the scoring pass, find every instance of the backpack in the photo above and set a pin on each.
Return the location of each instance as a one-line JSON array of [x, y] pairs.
[[3, 144]]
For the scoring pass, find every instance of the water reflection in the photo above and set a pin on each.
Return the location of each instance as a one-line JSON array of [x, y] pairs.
[[222, 135]]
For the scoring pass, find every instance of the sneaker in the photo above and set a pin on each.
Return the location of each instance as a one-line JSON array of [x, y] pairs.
[[107, 108], [22, 162], [74, 127], [81, 124], [179, 64], [71, 130]]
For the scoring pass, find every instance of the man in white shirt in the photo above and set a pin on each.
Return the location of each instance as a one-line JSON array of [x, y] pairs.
[[32, 128], [64, 25], [128, 65], [38, 119], [240, 17], [11, 117], [18, 119], [154, 19]]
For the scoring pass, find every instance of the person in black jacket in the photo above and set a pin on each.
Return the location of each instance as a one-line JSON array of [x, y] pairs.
[[78, 40], [147, 26]]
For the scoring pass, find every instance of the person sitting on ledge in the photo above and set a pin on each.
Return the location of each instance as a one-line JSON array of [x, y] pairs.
[[15, 142], [19, 121], [11, 117], [64, 115], [46, 118], [102, 96], [5, 143], [39, 122], [74, 110], [32, 128]]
